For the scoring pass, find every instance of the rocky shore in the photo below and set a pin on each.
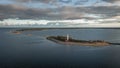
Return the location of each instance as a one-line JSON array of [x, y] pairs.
[[63, 40]]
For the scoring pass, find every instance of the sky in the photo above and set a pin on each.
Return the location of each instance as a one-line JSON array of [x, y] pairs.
[[61, 9]]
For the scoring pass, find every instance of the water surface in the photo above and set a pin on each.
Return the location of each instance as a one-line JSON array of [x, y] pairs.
[[31, 49]]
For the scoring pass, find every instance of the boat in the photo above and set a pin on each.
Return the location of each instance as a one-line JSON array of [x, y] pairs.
[[70, 41]]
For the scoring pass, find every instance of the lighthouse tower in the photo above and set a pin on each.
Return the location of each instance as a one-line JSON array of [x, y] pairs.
[[67, 38]]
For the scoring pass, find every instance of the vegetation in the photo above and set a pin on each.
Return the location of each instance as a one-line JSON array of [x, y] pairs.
[[63, 40]]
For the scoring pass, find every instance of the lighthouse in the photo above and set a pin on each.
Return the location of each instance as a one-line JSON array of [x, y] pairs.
[[67, 39]]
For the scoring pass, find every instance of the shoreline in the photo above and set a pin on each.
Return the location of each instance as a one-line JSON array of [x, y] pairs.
[[19, 31], [62, 40]]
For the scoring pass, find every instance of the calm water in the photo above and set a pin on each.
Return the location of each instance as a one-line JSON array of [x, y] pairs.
[[35, 51]]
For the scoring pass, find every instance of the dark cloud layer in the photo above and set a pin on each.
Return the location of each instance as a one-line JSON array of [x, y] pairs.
[[107, 11], [68, 12], [111, 1], [9, 11]]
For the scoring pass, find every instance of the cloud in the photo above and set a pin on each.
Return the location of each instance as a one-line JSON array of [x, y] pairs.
[[21, 0], [45, 1], [70, 12], [64, 12], [16, 11], [106, 11], [41, 1], [111, 1], [11, 11]]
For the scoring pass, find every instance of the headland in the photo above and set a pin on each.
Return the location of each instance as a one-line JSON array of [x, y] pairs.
[[70, 41]]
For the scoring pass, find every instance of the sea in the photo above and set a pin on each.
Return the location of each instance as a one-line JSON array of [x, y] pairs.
[[31, 49]]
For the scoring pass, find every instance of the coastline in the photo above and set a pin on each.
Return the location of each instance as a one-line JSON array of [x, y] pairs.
[[62, 40], [19, 31], [71, 41]]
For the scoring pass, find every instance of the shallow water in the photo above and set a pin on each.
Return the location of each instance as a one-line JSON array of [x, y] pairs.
[[35, 51]]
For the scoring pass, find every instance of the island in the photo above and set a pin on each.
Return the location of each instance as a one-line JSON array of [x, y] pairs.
[[70, 41], [19, 31]]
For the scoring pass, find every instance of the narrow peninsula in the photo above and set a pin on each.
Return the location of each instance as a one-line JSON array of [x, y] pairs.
[[69, 41]]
